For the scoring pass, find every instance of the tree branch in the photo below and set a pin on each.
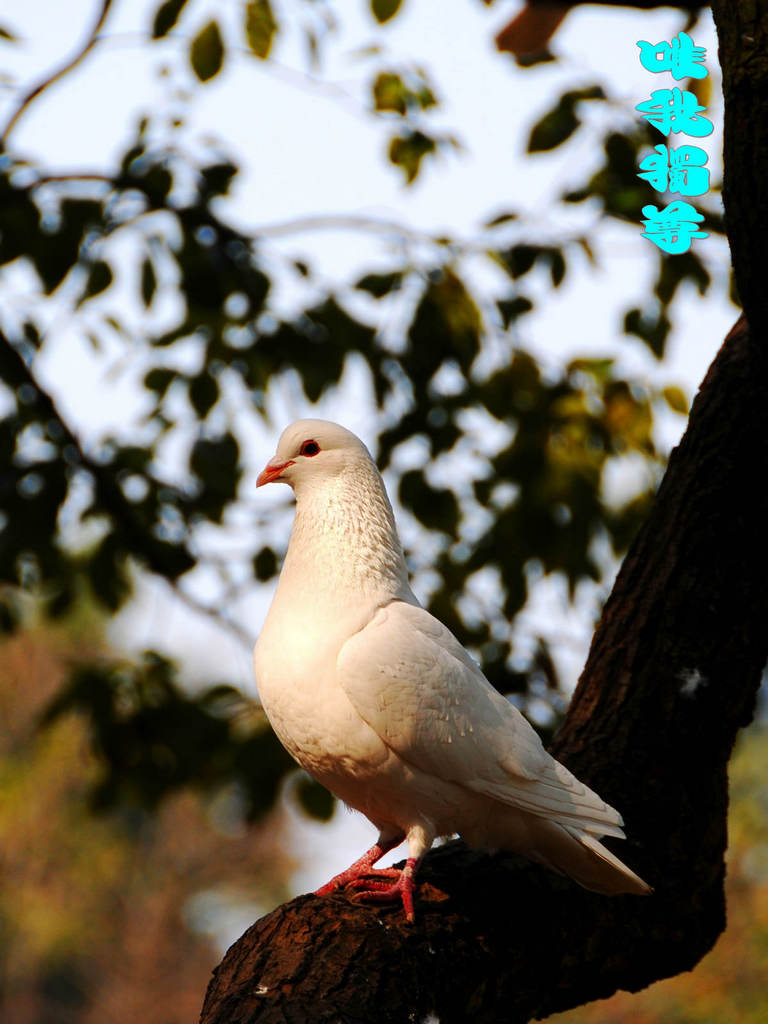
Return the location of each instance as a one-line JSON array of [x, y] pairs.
[[72, 63], [16, 372], [72, 177], [742, 29]]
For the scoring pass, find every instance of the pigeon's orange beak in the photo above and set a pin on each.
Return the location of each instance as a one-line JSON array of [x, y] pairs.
[[272, 470]]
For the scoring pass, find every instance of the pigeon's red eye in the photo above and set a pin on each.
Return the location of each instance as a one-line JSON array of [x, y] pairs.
[[309, 448]]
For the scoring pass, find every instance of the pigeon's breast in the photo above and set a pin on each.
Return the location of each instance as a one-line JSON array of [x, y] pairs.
[[320, 727], [311, 714]]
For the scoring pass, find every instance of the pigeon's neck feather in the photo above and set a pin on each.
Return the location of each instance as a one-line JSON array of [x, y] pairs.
[[344, 546]]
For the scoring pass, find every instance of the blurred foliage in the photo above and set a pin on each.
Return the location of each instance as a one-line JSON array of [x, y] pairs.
[[559, 123], [78, 887], [452, 382], [729, 983], [154, 738]]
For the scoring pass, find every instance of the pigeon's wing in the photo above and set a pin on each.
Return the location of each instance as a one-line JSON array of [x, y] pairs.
[[416, 686]]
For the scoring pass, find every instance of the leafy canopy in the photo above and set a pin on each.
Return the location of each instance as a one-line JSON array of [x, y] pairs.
[[452, 377]]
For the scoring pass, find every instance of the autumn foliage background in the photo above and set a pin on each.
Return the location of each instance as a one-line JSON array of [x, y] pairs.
[[98, 911]]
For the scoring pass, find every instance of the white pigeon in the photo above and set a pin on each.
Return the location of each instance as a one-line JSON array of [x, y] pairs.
[[379, 702]]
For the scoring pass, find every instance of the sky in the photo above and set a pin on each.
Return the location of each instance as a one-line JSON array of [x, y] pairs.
[[308, 147]]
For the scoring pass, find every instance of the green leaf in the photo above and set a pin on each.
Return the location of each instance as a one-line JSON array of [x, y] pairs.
[[518, 260], [390, 93], [530, 60], [675, 399], [265, 564], [203, 393], [425, 97], [260, 27], [599, 369], [651, 328], [159, 379], [100, 277], [383, 10], [206, 54], [561, 122], [133, 457], [446, 325], [589, 92], [148, 282], [166, 17], [556, 266], [156, 183], [55, 254], [216, 465], [393, 92], [627, 417], [511, 309], [673, 270], [616, 184], [130, 157], [553, 129], [380, 285], [435, 507], [587, 250], [315, 799], [116, 325], [407, 152], [217, 178], [108, 575], [501, 218]]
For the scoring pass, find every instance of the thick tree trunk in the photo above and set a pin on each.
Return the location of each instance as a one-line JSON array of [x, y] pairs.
[[672, 675], [742, 28]]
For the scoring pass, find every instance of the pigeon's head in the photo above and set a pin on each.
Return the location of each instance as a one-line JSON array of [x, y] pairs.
[[308, 449]]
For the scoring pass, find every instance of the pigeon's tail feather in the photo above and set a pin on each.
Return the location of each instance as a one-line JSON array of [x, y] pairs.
[[583, 858], [614, 875]]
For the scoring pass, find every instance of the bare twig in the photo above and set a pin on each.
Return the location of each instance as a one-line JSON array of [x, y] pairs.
[[355, 222], [36, 90], [352, 222], [220, 618], [72, 177]]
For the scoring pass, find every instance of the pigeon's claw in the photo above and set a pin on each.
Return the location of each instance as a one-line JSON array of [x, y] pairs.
[[362, 866], [373, 879], [376, 890]]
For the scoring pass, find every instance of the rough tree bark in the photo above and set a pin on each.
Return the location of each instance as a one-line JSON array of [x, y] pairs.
[[671, 677]]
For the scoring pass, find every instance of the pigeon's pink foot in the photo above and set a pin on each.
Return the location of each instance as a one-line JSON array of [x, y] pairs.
[[376, 890], [361, 867], [365, 881]]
